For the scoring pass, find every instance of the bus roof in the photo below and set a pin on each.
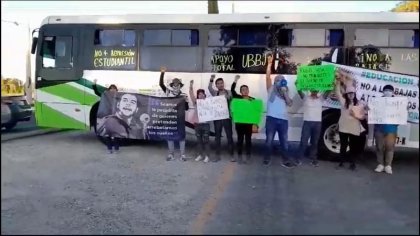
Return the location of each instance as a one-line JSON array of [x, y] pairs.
[[286, 18]]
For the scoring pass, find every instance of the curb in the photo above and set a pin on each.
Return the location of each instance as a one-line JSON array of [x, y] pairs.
[[29, 134]]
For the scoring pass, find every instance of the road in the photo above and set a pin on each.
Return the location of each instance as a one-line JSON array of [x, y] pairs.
[[66, 183]]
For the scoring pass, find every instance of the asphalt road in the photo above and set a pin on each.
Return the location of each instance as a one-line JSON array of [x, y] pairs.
[[66, 183]]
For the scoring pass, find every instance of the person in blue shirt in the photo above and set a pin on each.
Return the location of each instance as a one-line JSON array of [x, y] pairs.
[[277, 116], [385, 136]]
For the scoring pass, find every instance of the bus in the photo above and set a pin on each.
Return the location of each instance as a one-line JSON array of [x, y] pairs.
[[128, 50]]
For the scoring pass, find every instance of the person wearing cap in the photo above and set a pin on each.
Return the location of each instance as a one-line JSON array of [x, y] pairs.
[[277, 116], [202, 129], [349, 125], [225, 124], [174, 90], [385, 136]]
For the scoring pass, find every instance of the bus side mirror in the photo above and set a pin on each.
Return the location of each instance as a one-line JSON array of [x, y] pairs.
[[34, 43]]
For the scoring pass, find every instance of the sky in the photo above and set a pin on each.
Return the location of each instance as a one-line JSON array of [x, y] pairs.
[[33, 12]]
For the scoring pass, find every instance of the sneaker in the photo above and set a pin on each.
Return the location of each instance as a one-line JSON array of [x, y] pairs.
[[352, 167], [233, 159], [170, 157], [183, 158], [380, 168], [206, 159], [388, 170], [287, 165], [298, 162], [110, 151], [199, 158], [267, 162], [341, 164]]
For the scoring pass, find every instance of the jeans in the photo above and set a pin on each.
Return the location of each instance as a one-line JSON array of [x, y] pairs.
[[202, 131], [244, 131], [385, 144], [273, 125], [218, 127], [310, 130], [112, 142], [171, 147]]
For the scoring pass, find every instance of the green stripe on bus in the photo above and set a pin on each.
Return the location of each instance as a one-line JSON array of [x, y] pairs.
[[48, 117], [71, 93]]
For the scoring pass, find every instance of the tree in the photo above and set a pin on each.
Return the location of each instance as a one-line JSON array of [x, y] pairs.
[[407, 6], [212, 7]]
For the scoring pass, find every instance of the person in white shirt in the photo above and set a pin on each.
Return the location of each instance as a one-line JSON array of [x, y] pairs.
[[312, 123]]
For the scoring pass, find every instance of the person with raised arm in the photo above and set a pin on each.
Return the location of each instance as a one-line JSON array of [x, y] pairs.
[[225, 124], [312, 123], [349, 125], [277, 115], [202, 129], [174, 90], [244, 131]]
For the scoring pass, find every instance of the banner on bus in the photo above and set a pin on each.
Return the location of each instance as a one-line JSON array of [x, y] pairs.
[[369, 83], [136, 116]]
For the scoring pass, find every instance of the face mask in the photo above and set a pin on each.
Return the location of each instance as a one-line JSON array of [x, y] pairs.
[[387, 93]]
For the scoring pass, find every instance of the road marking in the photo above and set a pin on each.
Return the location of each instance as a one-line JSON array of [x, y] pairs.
[[209, 206]]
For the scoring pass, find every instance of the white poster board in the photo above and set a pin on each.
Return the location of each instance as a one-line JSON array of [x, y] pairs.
[[212, 108], [388, 110]]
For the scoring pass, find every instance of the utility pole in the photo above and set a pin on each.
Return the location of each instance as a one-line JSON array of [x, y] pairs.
[[212, 8]]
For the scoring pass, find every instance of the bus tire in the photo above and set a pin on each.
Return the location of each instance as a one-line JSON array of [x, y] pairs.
[[10, 125], [329, 142]]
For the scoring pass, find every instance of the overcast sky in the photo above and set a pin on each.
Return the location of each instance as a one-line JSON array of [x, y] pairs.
[[35, 11]]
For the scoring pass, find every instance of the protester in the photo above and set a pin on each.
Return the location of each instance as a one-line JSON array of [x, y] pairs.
[[174, 90], [244, 131], [349, 126], [225, 124], [106, 107], [202, 130], [277, 116], [312, 124], [108, 98], [385, 136]]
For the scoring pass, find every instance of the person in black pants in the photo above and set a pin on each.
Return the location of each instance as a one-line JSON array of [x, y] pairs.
[[225, 124], [108, 97], [244, 131]]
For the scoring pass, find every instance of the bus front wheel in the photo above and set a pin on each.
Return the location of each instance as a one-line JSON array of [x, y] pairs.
[[329, 143]]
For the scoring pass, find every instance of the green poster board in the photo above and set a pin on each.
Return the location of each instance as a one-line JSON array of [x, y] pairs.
[[320, 78], [246, 111]]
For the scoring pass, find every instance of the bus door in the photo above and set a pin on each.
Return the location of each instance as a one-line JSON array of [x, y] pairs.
[[59, 98]]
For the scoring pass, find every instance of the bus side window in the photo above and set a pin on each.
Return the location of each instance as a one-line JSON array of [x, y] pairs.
[[57, 52]]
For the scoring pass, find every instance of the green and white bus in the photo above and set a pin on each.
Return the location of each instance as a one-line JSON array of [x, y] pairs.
[[128, 50]]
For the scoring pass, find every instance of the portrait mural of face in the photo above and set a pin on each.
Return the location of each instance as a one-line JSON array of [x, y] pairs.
[[127, 106]]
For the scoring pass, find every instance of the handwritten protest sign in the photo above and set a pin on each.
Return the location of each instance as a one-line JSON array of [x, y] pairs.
[[319, 78], [212, 108], [388, 110], [247, 111]]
